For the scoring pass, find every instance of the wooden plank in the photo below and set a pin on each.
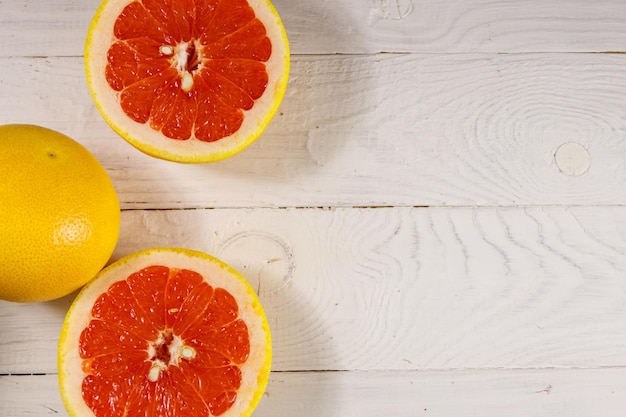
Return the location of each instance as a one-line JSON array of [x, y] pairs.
[[396, 288], [487, 393], [356, 26], [44, 28], [403, 130]]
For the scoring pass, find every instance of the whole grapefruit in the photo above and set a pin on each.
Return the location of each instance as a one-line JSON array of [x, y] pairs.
[[59, 214]]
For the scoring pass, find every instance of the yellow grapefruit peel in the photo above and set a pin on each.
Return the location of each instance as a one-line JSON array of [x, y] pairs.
[[59, 214]]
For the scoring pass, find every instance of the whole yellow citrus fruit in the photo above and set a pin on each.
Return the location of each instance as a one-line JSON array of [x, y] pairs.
[[165, 332], [59, 214], [187, 80]]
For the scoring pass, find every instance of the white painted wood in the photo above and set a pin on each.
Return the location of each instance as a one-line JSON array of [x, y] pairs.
[[505, 297], [59, 27], [394, 288], [403, 130], [486, 393]]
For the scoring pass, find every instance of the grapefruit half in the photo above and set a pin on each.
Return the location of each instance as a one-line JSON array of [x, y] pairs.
[[187, 80], [164, 332]]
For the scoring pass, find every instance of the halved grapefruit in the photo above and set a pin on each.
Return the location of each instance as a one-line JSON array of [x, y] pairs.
[[164, 332], [187, 80]]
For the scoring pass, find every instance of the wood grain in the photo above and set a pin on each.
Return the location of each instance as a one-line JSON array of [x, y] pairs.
[[435, 221], [487, 393], [371, 26], [392, 130], [396, 289]]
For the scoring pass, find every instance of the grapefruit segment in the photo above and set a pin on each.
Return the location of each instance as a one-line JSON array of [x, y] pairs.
[[248, 76], [247, 42], [164, 332], [227, 17], [187, 80]]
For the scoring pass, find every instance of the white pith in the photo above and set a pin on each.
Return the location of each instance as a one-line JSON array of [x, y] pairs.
[[176, 348], [181, 57], [192, 150], [255, 371]]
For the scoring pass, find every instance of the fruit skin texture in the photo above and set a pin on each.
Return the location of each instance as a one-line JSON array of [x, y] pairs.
[[141, 136], [255, 370], [59, 214]]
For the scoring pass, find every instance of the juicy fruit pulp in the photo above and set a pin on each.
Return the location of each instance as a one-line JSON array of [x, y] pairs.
[[59, 214], [165, 340], [194, 344], [187, 80], [190, 67]]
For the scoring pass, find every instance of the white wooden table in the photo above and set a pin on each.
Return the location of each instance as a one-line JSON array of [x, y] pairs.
[[435, 221]]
